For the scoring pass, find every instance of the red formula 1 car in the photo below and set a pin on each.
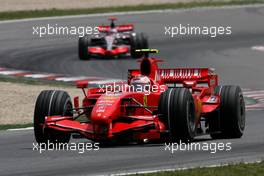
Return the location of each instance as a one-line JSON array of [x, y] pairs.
[[156, 104], [112, 41]]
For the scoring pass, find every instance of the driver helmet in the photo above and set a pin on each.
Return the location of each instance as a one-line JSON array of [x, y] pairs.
[[112, 31], [140, 83]]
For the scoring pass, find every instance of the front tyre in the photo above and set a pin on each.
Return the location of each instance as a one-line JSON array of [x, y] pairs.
[[231, 116], [51, 102], [178, 112]]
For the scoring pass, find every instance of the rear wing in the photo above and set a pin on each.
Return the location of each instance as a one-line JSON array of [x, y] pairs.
[[119, 28], [181, 75], [189, 77]]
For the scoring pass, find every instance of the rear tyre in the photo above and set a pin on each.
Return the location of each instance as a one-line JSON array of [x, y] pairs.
[[230, 120], [134, 44], [84, 43], [144, 41], [51, 102], [139, 41], [178, 113]]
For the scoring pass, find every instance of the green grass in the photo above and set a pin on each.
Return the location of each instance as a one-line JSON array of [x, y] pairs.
[[57, 12], [256, 169], [11, 126]]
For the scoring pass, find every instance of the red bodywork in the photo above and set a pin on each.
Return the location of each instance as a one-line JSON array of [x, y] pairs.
[[119, 28], [132, 115], [102, 51]]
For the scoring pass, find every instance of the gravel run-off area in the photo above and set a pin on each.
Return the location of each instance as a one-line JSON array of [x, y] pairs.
[[18, 101]]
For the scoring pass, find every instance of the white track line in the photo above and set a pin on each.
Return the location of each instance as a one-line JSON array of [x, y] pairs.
[[20, 129], [255, 96], [253, 92], [182, 168], [38, 76], [57, 77], [258, 48], [259, 105], [70, 79], [107, 81], [198, 9], [11, 72], [261, 99]]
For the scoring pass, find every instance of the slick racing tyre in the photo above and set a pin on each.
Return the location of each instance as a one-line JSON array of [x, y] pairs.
[[144, 41], [84, 43], [177, 109], [230, 120], [139, 41], [51, 102]]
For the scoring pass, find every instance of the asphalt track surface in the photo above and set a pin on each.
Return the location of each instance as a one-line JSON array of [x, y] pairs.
[[231, 56]]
